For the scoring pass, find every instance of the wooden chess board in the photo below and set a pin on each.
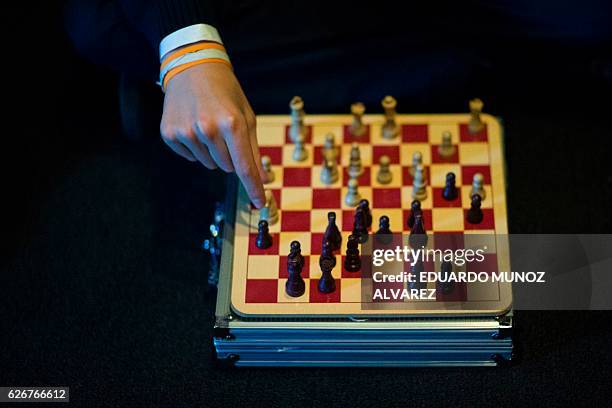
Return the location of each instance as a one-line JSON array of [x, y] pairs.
[[258, 276]]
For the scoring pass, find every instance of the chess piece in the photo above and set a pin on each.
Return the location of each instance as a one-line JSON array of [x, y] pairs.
[[355, 169], [478, 186], [390, 128], [352, 195], [418, 235], [269, 212], [327, 283], [474, 214], [352, 261], [384, 235], [263, 239], [475, 125], [330, 151], [417, 160], [446, 268], [419, 190], [357, 128], [295, 286], [446, 148], [297, 118], [360, 227], [415, 208], [332, 233], [299, 152], [450, 191], [384, 175], [416, 270], [329, 171], [266, 163], [364, 206]]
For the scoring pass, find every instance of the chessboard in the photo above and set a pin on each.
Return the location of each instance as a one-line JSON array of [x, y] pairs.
[[258, 276]]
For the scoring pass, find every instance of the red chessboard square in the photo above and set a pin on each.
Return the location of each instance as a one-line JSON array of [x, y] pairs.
[[282, 270], [363, 180], [440, 201], [488, 264], [392, 151], [407, 177], [488, 221], [348, 138], [316, 243], [466, 136], [387, 198], [274, 152], [348, 218], [326, 198], [318, 297], [415, 134], [296, 176], [436, 158], [318, 155], [295, 221], [427, 214], [457, 294], [467, 174], [307, 139], [261, 291], [448, 240], [277, 196], [253, 250]]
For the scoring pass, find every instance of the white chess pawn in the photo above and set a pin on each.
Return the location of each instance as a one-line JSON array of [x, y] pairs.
[[475, 125], [417, 160], [419, 190], [352, 195], [329, 147], [389, 129], [270, 211], [446, 149], [355, 169], [266, 163], [478, 186], [357, 128], [384, 175], [329, 171], [299, 152]]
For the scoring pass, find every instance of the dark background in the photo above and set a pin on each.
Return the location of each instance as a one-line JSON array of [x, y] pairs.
[[103, 282]]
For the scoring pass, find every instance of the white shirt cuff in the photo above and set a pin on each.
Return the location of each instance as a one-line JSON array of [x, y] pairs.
[[188, 35]]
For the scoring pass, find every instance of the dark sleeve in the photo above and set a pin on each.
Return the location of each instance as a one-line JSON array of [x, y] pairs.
[[158, 18]]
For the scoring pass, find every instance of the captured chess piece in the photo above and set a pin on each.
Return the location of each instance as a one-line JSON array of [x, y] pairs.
[[450, 191], [418, 235], [446, 268], [364, 206], [384, 235], [474, 214], [330, 150], [384, 175], [417, 160], [352, 260], [327, 262], [446, 148], [478, 186], [329, 171], [415, 208], [419, 184], [297, 118], [295, 286], [263, 239], [390, 128], [352, 193], [266, 163], [332, 233], [355, 168], [416, 270], [269, 212], [475, 125], [357, 128]]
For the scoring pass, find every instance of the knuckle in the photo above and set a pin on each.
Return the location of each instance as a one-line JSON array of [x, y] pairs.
[[207, 128], [235, 123], [167, 132]]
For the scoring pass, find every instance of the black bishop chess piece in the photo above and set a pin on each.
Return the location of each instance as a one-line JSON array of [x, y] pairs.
[[474, 214], [418, 235], [450, 189], [416, 270], [264, 239], [415, 208], [327, 262], [352, 261], [295, 286], [332, 233], [446, 268], [384, 235]]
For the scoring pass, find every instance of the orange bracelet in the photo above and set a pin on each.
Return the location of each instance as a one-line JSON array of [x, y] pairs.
[[204, 45], [183, 67]]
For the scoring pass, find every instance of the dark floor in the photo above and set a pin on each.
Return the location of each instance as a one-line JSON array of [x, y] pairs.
[[105, 286]]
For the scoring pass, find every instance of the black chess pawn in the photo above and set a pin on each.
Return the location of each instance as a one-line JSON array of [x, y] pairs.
[[450, 189], [264, 239], [364, 205], [327, 261], [418, 235], [474, 214], [352, 261], [384, 235], [295, 286], [360, 229], [332, 233], [415, 208], [416, 270], [446, 268]]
